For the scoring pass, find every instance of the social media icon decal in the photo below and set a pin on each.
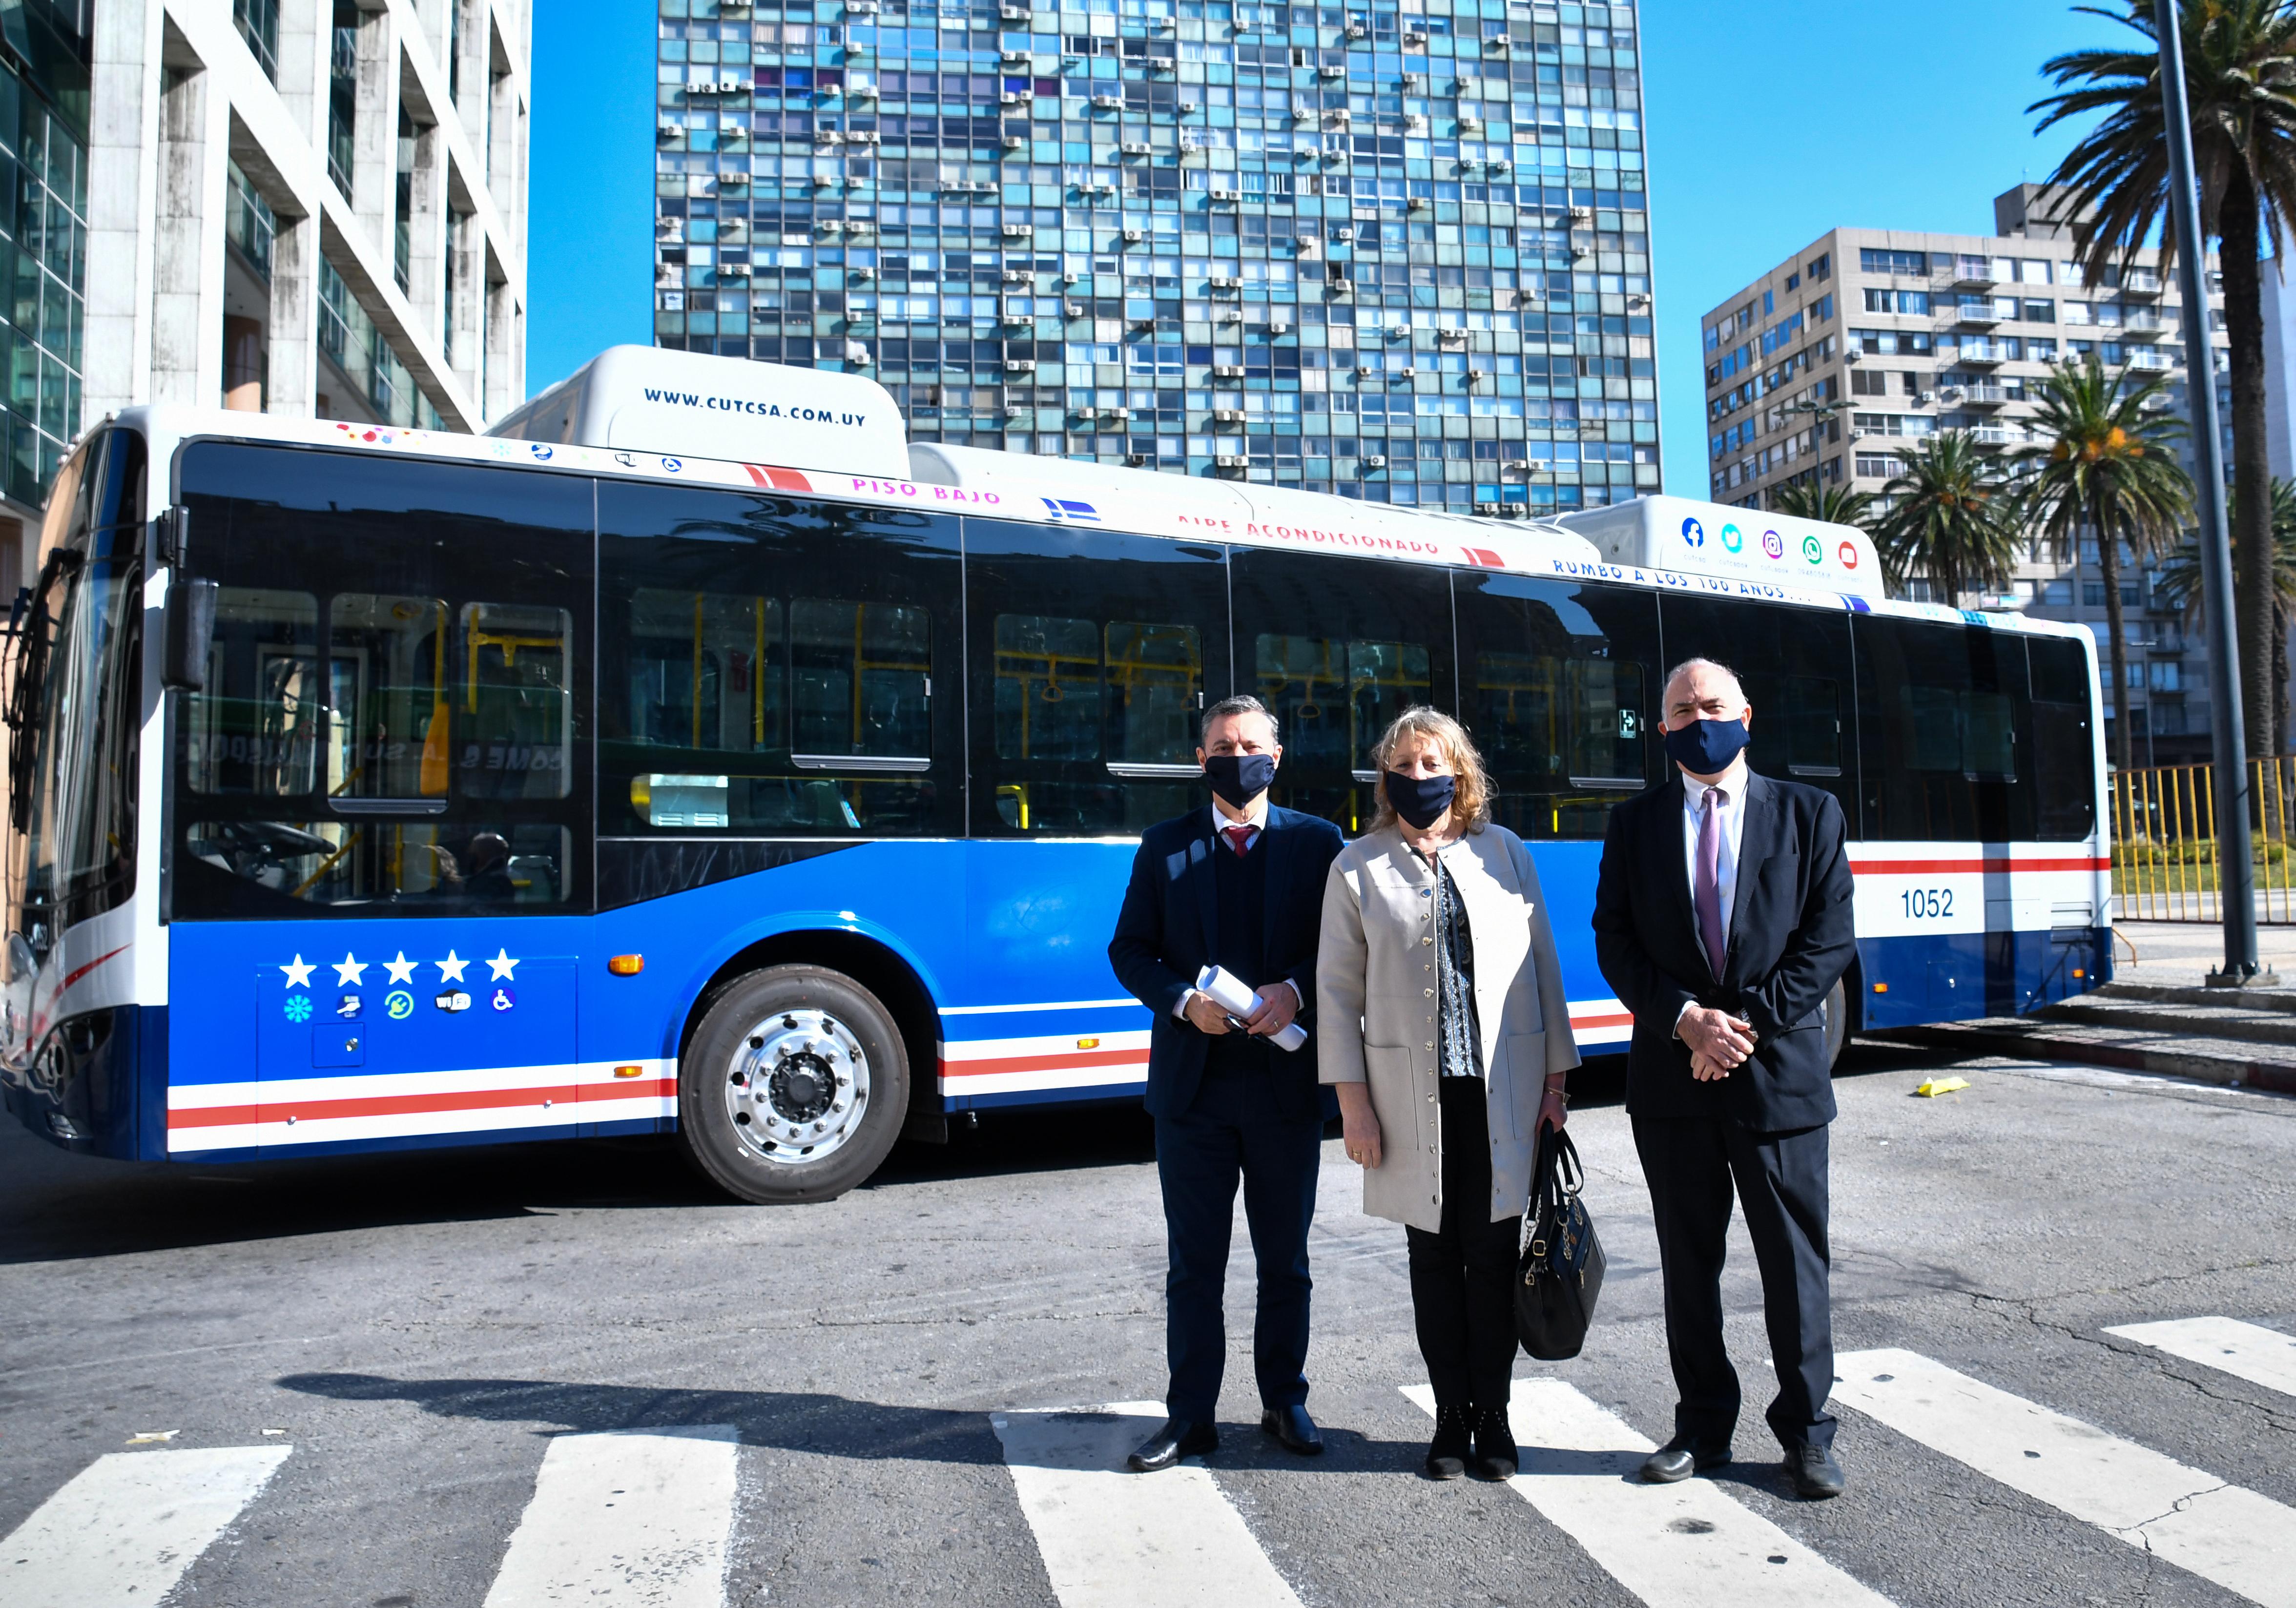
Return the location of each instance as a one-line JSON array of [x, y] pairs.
[[1813, 550], [1733, 538], [1774, 544], [1693, 534], [1848, 556]]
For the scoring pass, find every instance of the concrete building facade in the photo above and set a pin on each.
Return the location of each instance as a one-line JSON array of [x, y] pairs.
[[1831, 367], [1398, 251], [314, 207]]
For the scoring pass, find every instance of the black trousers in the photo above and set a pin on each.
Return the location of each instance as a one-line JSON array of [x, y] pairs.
[[1780, 1180], [1235, 1128], [1462, 1274]]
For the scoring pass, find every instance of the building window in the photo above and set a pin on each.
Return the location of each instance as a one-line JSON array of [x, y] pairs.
[[1872, 260], [42, 216], [363, 353], [258, 21], [342, 95], [253, 226]]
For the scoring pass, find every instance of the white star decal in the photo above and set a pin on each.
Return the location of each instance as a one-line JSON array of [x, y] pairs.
[[401, 970], [450, 969], [351, 971], [299, 974], [501, 965]]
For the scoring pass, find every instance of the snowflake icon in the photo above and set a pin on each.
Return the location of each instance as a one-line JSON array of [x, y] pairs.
[[299, 1008]]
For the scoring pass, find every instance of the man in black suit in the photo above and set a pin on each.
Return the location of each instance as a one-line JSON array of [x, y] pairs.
[[1240, 885], [1723, 921]]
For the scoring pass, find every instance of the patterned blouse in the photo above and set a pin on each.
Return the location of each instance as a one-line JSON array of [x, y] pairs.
[[1455, 979]]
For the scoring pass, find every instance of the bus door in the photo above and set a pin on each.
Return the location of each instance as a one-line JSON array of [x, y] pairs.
[[1337, 647], [1092, 657], [381, 792]]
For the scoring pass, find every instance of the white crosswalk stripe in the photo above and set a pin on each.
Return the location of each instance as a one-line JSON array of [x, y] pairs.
[[1114, 1539], [638, 1519], [126, 1529], [2249, 1351], [1685, 1542], [2242, 1541]]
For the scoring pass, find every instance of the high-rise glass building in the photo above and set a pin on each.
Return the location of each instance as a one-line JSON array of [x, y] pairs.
[[1398, 251]]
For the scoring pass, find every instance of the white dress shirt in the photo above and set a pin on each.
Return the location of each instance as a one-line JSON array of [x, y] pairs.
[[1733, 822], [1256, 817]]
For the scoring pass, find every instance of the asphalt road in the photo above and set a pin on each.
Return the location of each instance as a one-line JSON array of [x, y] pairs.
[[412, 1335]]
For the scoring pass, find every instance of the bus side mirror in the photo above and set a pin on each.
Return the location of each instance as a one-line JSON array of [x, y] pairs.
[[188, 630]]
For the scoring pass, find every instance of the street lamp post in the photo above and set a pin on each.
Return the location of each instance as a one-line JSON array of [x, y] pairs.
[[2236, 881]]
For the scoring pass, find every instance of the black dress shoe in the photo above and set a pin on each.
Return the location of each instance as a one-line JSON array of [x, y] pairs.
[[1814, 1473], [1495, 1457], [1179, 1438], [1678, 1459], [1293, 1430], [1453, 1444]]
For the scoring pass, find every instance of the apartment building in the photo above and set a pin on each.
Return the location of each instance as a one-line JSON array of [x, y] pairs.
[[1831, 367], [308, 207], [1396, 250]]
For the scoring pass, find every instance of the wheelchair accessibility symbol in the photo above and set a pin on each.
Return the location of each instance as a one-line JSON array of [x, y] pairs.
[[501, 999], [399, 1004]]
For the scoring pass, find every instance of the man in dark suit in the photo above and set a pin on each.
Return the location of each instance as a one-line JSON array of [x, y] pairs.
[[1723, 921], [1240, 885]]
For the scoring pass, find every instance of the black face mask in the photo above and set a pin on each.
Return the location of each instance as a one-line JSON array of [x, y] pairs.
[[1239, 778], [1420, 800], [1706, 748]]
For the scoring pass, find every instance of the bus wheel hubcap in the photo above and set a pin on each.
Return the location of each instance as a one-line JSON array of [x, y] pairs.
[[797, 1087]]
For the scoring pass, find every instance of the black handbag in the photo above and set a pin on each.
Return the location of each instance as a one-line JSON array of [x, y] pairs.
[[1561, 1268]]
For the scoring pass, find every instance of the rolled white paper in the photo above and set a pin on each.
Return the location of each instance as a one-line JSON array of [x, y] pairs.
[[1230, 992]]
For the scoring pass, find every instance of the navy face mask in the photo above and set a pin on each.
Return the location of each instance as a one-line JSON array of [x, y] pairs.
[[1705, 748], [1420, 800], [1239, 778]]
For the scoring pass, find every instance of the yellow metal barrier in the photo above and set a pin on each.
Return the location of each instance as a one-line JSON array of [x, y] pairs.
[[2164, 841]]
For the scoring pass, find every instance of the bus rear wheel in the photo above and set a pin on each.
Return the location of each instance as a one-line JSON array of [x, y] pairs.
[[794, 1087]]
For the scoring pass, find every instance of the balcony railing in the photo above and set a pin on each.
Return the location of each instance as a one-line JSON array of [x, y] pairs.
[[1973, 312], [1995, 435], [1983, 396], [1985, 352]]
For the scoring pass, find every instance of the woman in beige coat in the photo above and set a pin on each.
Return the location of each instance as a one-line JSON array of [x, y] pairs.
[[1442, 1023]]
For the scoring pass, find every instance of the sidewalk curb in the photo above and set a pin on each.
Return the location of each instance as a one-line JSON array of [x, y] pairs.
[[2226, 1070]]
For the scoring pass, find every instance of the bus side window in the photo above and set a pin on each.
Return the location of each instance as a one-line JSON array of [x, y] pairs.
[[1794, 664], [1337, 648], [1561, 697], [2065, 752], [1948, 720], [1088, 675]]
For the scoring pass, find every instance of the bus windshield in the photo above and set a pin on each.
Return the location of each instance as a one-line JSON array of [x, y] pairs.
[[73, 698]]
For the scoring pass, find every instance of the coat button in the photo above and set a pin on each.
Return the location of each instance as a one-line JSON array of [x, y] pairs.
[[1430, 993], [1430, 1099], [1427, 941], [1430, 1045]]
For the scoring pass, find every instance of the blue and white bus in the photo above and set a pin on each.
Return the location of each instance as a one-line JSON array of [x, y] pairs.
[[719, 765]]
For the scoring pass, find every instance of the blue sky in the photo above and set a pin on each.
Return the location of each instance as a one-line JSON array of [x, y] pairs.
[[1768, 124]]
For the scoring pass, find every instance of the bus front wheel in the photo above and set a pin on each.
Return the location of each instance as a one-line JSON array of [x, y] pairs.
[[794, 1087]]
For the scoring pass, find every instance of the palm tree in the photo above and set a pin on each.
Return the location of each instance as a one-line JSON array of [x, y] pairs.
[[1833, 504], [2106, 463], [2178, 587], [1952, 519], [2239, 74]]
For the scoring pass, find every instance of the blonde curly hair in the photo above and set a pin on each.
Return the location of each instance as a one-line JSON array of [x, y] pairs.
[[1471, 803]]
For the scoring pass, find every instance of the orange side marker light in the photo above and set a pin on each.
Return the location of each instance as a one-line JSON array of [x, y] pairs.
[[627, 965]]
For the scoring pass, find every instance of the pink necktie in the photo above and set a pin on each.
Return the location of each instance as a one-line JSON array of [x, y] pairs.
[[1706, 888]]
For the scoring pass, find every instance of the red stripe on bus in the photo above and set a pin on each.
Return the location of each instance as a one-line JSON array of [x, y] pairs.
[[1043, 1063], [1620, 1018], [779, 480], [1942, 867], [1485, 558], [411, 1106], [72, 977]]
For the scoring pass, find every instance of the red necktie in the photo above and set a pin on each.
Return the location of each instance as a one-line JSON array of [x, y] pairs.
[[1239, 836]]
